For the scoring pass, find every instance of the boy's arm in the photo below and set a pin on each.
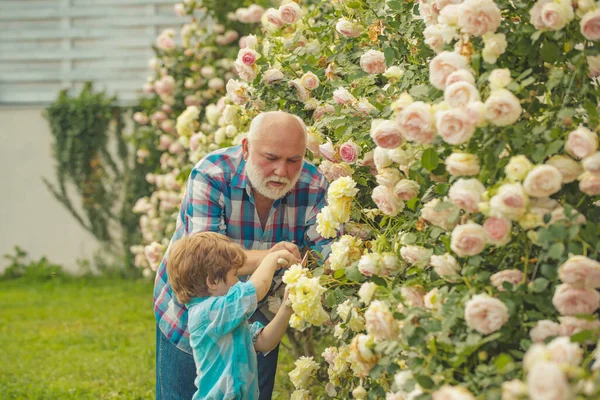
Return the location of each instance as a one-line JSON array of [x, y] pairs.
[[271, 335], [255, 257], [262, 277]]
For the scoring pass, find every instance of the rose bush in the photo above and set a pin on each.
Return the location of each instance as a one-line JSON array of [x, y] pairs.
[[463, 200]]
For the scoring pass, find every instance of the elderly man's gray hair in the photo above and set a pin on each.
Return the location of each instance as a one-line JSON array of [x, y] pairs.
[[259, 119]]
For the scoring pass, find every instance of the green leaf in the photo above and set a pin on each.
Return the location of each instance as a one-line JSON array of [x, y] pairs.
[[430, 159], [354, 274], [556, 250], [394, 5], [583, 336], [550, 52], [539, 285], [424, 381], [379, 281], [502, 362], [339, 273]]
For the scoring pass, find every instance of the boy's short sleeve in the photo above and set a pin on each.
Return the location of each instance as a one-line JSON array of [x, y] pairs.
[[255, 329], [229, 311]]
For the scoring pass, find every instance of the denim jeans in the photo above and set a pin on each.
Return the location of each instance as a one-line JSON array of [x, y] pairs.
[[176, 371]]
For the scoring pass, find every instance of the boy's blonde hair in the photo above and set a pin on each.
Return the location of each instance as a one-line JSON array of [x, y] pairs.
[[193, 259]]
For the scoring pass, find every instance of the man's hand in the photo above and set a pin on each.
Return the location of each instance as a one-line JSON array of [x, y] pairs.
[[283, 258], [291, 247]]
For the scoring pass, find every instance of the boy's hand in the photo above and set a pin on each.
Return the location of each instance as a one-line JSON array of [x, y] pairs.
[[291, 247], [283, 258], [285, 302]]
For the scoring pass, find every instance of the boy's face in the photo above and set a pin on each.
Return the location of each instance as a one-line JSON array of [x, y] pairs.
[[222, 287]]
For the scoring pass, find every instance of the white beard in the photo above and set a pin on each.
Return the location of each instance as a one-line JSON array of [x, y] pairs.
[[261, 183]]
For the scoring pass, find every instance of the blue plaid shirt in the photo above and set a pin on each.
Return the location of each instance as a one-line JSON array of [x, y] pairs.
[[219, 198], [223, 344]]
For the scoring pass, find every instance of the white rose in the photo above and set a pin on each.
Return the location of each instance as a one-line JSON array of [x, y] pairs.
[[568, 168], [517, 168], [513, 276], [468, 239], [547, 381], [542, 181], [563, 351], [348, 28], [462, 164], [416, 123], [366, 292], [442, 65], [543, 330], [461, 93], [415, 255], [373, 62], [589, 184], [572, 300], [368, 264], [343, 97], [510, 201], [580, 270], [485, 314], [592, 163], [435, 37], [445, 266], [380, 322], [581, 142], [495, 45], [403, 101], [478, 17], [454, 126], [393, 73], [387, 201], [476, 113], [466, 194], [449, 14], [381, 158], [502, 108], [401, 157], [499, 78]]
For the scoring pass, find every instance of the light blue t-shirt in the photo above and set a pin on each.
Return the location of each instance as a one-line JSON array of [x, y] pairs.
[[222, 343]]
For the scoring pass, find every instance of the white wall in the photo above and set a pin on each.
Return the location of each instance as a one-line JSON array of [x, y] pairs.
[[30, 216]]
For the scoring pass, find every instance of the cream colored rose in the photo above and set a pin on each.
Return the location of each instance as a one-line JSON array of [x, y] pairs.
[[572, 325], [581, 142], [416, 123], [513, 276], [592, 163], [440, 218], [369, 264], [343, 97], [364, 107], [514, 390], [580, 270], [572, 300], [517, 168], [510, 201], [348, 28], [590, 25], [381, 158], [502, 108], [454, 126], [386, 201], [568, 168], [462, 164], [468, 239], [449, 13], [547, 381], [498, 231], [461, 93], [402, 157], [246, 72], [594, 66], [323, 110], [589, 184], [373, 62], [413, 296], [388, 177], [466, 194], [543, 181], [478, 17], [290, 12], [448, 392], [433, 299], [415, 255], [460, 75], [563, 351], [445, 266], [499, 78], [366, 292], [303, 94], [476, 113], [495, 45], [485, 314], [442, 65], [386, 133], [434, 37], [543, 330], [310, 81], [380, 322], [406, 189]]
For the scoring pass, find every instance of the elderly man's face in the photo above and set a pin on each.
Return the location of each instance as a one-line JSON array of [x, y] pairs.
[[274, 159]]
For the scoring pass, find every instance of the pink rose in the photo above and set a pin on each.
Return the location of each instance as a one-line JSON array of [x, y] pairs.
[[343, 96], [373, 62], [348, 28], [165, 85], [461, 93], [386, 201], [158, 116], [140, 118], [466, 194], [415, 255], [460, 75], [191, 100], [594, 66], [289, 12], [245, 71], [328, 151], [468, 239], [445, 266], [303, 94], [413, 296], [543, 330], [589, 184], [406, 189], [248, 56], [546, 380], [581, 142], [502, 108], [485, 314], [478, 17], [440, 218], [176, 148], [154, 252], [590, 25], [497, 230], [462, 164], [274, 17], [380, 322], [513, 276], [168, 126], [349, 151], [165, 41], [592, 163], [416, 123], [333, 171], [310, 81], [568, 168], [580, 270], [572, 300], [322, 110], [444, 64], [386, 133], [510, 201], [454, 125], [569, 326], [542, 181], [272, 75]]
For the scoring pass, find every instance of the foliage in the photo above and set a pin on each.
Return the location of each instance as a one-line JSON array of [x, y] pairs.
[[20, 267]]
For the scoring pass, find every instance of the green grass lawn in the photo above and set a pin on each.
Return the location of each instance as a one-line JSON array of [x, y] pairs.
[[84, 339]]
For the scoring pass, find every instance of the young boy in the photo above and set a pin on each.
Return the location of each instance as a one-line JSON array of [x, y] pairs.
[[202, 273]]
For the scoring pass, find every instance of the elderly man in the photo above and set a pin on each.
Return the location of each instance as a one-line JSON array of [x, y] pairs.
[[263, 195]]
